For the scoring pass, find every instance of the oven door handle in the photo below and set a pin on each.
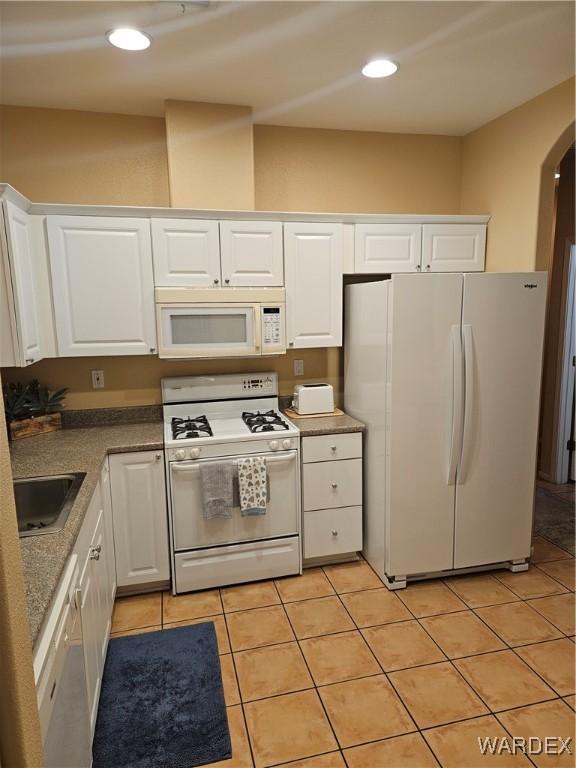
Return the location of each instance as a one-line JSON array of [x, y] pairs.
[[188, 466]]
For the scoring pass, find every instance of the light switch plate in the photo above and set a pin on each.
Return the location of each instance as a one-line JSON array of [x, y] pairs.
[[298, 367], [97, 379]]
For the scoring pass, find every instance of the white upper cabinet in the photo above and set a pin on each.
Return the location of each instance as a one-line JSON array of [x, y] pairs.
[[186, 252], [453, 247], [102, 283], [23, 271], [252, 253], [314, 256], [387, 248]]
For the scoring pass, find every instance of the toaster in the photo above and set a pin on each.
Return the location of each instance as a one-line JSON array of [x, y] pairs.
[[313, 398]]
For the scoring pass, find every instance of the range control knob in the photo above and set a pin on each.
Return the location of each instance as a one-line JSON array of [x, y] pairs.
[[274, 445], [194, 453], [286, 444], [180, 453]]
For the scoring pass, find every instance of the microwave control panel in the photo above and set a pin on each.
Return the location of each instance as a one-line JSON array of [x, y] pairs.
[[271, 326]]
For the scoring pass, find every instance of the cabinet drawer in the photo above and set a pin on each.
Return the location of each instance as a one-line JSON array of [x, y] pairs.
[[332, 531], [329, 447], [331, 484]]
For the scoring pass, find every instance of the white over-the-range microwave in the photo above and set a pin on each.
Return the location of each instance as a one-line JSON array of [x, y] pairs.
[[220, 322]]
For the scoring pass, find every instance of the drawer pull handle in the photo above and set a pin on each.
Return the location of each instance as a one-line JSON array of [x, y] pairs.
[[333, 448], [334, 485], [334, 533]]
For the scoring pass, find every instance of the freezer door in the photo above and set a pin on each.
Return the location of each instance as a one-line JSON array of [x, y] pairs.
[[424, 322], [503, 331]]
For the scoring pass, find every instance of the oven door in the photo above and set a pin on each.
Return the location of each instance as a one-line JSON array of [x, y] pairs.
[[192, 531], [208, 330]]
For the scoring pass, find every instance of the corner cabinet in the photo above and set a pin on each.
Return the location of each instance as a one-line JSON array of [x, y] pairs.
[[139, 509], [313, 255], [102, 283]]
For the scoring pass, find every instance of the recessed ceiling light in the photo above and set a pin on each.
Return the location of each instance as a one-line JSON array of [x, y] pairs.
[[129, 39], [379, 68]]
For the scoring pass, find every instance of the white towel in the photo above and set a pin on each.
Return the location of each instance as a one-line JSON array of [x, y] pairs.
[[217, 488], [252, 485]]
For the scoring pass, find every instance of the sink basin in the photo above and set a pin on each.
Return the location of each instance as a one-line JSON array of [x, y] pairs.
[[44, 503]]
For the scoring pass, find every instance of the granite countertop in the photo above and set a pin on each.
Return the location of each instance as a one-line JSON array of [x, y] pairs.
[[328, 425], [69, 450]]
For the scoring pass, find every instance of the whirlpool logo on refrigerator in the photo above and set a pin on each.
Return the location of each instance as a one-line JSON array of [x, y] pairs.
[[530, 285]]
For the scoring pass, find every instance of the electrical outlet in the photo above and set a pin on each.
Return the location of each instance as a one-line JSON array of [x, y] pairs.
[[97, 379], [298, 367]]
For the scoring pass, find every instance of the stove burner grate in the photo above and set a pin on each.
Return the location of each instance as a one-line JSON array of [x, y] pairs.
[[183, 429], [269, 421]]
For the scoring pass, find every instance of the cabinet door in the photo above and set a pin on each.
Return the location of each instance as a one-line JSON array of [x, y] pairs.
[[140, 517], [252, 253], [387, 248], [102, 284], [313, 254], [453, 247], [186, 252], [23, 271], [108, 532]]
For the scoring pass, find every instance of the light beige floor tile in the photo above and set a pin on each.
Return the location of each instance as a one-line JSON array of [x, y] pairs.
[[352, 577], [554, 661], [312, 583], [329, 760], [456, 745], [288, 727], [436, 695], [503, 680], [545, 551], [560, 610], [461, 634], [409, 751], [272, 670], [571, 701], [518, 623], [541, 720], [193, 605], [229, 682], [402, 645], [480, 590], [375, 606], [335, 658], [365, 710], [258, 627], [246, 596], [430, 598], [137, 611], [139, 631], [219, 626], [322, 616], [531, 583], [562, 570], [241, 756]]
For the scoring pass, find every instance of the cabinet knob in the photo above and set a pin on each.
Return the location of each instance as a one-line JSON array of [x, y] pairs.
[[29, 360], [333, 448], [334, 532], [418, 267], [97, 548], [227, 281], [334, 485], [290, 343], [216, 281], [158, 456], [94, 555], [427, 267], [152, 350]]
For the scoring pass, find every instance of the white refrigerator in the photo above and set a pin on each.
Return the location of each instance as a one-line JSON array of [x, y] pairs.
[[445, 371]]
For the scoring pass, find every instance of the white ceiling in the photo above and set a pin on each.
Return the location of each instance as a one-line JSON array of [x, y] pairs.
[[296, 63]]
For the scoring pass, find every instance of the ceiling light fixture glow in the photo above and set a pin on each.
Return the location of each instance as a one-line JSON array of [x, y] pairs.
[[129, 39], [379, 68]]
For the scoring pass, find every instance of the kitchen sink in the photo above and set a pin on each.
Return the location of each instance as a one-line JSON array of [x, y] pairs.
[[44, 503]]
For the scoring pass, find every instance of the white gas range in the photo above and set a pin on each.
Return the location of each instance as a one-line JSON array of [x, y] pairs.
[[219, 419]]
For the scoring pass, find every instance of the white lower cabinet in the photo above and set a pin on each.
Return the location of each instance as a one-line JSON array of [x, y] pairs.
[[139, 509], [332, 495]]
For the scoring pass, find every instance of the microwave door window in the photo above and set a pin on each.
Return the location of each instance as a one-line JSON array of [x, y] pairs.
[[209, 329]]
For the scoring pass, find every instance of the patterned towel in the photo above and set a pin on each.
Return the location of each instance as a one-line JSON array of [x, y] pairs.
[[217, 488], [252, 485]]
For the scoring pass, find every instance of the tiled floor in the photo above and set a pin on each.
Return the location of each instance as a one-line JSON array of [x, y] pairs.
[[330, 669]]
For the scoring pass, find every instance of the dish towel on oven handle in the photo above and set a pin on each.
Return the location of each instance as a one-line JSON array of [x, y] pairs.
[[252, 485], [217, 478]]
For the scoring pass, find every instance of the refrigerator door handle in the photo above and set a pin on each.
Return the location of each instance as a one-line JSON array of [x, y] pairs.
[[457, 414], [468, 402]]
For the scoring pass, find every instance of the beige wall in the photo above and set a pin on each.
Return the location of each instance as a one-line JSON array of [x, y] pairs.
[[501, 174], [307, 169], [210, 155], [20, 742], [64, 156]]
